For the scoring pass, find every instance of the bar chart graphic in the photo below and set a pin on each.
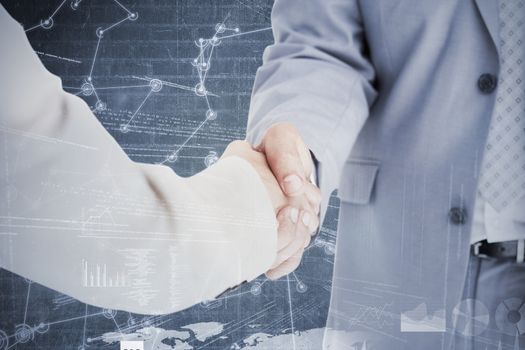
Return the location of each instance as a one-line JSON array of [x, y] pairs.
[[96, 275]]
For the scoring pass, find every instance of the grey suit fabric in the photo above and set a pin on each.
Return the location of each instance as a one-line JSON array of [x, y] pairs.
[[485, 278], [385, 93]]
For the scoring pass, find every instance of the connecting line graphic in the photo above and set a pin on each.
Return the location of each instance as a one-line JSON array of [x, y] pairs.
[[155, 86], [83, 346], [49, 21], [88, 87], [132, 326], [25, 333], [256, 289], [232, 327], [27, 300], [202, 63], [291, 311], [125, 127]]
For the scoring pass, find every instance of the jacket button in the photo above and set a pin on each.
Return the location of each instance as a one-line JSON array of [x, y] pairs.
[[487, 83], [458, 216]]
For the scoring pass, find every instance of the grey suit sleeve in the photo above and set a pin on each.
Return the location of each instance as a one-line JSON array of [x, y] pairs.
[[316, 76]]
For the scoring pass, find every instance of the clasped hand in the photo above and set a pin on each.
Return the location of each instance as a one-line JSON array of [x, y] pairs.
[[284, 164]]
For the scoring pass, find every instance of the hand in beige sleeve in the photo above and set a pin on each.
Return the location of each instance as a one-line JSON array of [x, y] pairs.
[[80, 217], [297, 213]]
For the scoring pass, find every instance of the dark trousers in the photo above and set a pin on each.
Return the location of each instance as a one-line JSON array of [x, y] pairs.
[[493, 313]]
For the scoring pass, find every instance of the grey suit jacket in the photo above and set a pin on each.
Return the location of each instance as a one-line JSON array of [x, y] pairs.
[[386, 94]]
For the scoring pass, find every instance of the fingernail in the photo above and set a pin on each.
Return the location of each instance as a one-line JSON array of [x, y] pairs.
[[306, 218], [292, 183], [294, 215]]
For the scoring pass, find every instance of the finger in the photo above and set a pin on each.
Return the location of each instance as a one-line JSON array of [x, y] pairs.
[[281, 147], [310, 223], [287, 219], [307, 240], [301, 232], [313, 194], [305, 228], [287, 266], [309, 214]]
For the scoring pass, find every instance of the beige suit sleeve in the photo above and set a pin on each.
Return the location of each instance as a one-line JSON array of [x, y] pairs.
[[78, 216]]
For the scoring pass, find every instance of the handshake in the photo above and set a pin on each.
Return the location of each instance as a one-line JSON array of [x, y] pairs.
[[284, 164]]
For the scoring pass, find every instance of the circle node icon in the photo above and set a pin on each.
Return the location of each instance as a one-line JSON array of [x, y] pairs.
[[211, 159], [236, 30], [470, 317], [100, 106], [124, 128], [215, 41], [256, 288], [87, 89], [24, 333], [301, 287], [47, 23], [156, 85], [329, 249], [173, 157], [4, 340], [220, 27], [89, 340], [100, 32], [42, 328], [109, 313], [203, 66], [74, 5], [211, 114], [510, 316], [200, 90], [133, 16]]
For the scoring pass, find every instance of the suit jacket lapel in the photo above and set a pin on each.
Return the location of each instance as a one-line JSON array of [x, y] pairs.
[[489, 10]]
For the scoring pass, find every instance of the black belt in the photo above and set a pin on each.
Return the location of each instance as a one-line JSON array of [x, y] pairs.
[[509, 250]]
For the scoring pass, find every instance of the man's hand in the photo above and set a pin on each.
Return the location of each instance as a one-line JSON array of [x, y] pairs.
[[296, 214], [291, 163]]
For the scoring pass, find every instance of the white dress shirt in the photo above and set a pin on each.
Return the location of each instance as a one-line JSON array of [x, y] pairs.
[[507, 225]]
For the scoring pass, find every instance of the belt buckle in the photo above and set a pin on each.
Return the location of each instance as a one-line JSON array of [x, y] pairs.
[[476, 251]]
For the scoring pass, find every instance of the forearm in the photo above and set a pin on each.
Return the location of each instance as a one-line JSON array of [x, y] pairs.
[[77, 202]]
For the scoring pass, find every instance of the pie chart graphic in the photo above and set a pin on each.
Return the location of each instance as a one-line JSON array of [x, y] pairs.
[[470, 317], [510, 316]]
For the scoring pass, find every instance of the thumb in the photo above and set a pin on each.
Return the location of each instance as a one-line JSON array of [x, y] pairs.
[[281, 145]]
